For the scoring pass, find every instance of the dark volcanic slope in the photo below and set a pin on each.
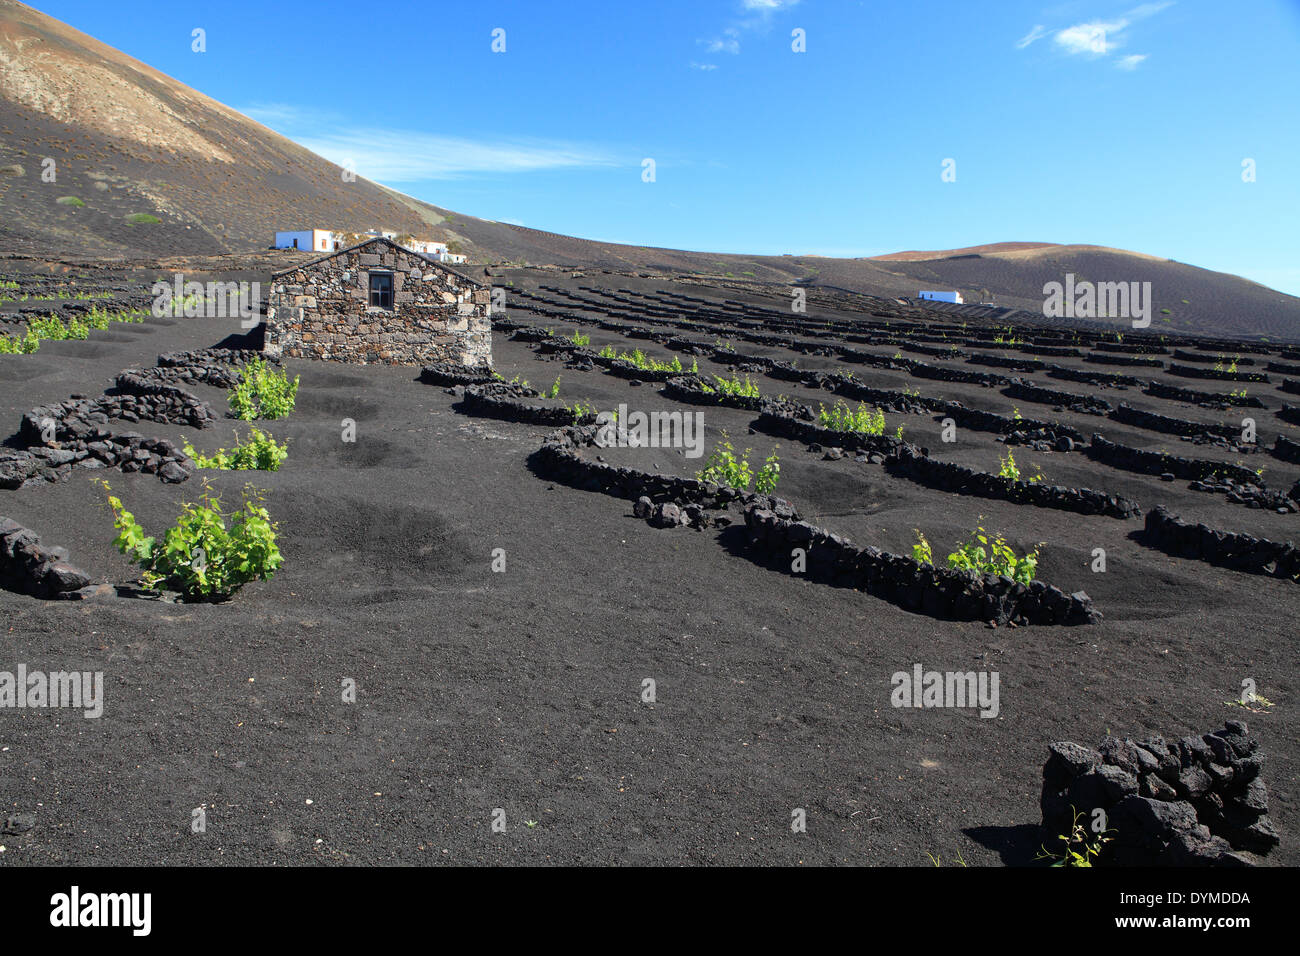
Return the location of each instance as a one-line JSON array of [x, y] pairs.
[[522, 690], [1197, 300], [129, 140]]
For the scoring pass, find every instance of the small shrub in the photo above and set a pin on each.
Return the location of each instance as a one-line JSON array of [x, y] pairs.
[[645, 363], [768, 475], [521, 382], [142, 218], [580, 408], [733, 386], [578, 338], [49, 328], [554, 390], [100, 318], [263, 392], [724, 468], [26, 344], [1008, 468], [202, 556], [921, 551], [70, 201], [999, 558], [1079, 848], [259, 453], [842, 418]]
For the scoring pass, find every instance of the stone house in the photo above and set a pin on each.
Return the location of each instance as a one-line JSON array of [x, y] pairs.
[[379, 303]]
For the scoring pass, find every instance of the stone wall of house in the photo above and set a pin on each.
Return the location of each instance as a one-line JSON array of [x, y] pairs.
[[323, 311]]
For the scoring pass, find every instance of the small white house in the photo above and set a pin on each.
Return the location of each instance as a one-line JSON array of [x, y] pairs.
[[324, 240], [427, 247], [940, 296], [434, 250], [309, 240]]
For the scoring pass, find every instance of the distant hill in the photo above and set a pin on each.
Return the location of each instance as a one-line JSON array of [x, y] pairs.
[[147, 167], [988, 248]]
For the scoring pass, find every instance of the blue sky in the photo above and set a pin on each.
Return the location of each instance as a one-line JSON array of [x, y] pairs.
[[1121, 124]]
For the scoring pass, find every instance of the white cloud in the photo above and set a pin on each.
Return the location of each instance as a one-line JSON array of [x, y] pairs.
[[1097, 37], [729, 42], [285, 115], [759, 15], [1037, 33], [1148, 10], [706, 67], [395, 155], [407, 156]]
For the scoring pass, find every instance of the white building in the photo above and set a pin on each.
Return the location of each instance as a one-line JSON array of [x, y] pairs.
[[427, 247], [313, 240], [324, 240], [941, 296], [434, 250]]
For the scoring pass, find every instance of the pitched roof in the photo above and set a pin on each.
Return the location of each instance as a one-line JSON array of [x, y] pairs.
[[373, 239]]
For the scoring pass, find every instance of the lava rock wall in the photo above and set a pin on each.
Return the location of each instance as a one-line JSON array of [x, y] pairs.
[[28, 567], [1194, 801], [1228, 549]]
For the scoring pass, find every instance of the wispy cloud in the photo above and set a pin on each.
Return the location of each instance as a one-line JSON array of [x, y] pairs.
[[1148, 9], [755, 15], [285, 115], [1037, 33], [706, 67], [1095, 37], [729, 42], [410, 156], [1098, 38]]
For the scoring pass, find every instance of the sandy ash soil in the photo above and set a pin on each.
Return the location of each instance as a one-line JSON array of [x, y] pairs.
[[522, 690]]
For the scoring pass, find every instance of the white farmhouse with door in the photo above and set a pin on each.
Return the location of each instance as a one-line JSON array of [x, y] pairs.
[[427, 247], [308, 240]]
